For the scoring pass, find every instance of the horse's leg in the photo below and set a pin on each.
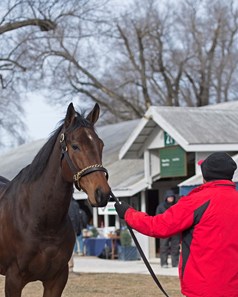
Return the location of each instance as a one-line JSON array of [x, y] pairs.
[[13, 283], [54, 287]]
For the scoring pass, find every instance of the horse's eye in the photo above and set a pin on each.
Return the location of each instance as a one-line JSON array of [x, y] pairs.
[[75, 147]]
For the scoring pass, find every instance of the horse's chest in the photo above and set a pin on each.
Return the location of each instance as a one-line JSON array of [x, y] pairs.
[[46, 260]]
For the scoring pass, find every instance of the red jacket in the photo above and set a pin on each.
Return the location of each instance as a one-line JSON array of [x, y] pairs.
[[208, 220]]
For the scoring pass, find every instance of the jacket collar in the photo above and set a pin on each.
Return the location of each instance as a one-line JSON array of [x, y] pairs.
[[214, 183]]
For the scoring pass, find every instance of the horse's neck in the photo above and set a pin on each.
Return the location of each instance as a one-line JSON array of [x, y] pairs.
[[51, 195]]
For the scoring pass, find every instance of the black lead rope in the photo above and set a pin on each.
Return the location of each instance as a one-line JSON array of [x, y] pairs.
[[146, 261], [143, 255]]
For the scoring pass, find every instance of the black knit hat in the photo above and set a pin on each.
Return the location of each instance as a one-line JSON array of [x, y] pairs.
[[218, 165]]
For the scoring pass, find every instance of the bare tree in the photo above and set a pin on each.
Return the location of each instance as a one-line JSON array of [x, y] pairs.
[[12, 67], [210, 34], [33, 36], [156, 54], [180, 53], [127, 82], [68, 60]]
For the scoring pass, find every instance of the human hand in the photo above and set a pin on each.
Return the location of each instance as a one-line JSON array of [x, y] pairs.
[[121, 208]]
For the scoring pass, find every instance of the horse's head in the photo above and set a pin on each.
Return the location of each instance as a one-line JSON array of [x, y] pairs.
[[82, 156]]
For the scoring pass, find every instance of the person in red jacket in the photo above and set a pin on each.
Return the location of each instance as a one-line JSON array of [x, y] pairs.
[[208, 220]]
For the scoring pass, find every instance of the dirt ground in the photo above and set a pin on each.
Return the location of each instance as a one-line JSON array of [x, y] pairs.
[[111, 285]]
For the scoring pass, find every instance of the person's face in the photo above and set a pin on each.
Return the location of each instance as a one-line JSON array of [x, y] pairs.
[[170, 199]]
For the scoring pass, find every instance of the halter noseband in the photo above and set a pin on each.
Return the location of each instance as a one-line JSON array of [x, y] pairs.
[[77, 175]]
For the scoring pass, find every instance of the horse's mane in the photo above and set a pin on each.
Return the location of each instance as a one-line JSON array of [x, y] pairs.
[[34, 170]]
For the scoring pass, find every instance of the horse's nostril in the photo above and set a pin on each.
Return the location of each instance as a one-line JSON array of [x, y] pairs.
[[100, 197]]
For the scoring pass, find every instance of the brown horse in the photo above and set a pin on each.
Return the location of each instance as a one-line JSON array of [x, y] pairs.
[[36, 234]]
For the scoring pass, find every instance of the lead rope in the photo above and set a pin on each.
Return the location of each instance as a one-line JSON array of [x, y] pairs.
[[156, 280]]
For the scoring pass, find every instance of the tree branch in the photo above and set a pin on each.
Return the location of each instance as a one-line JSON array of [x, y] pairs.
[[44, 25]]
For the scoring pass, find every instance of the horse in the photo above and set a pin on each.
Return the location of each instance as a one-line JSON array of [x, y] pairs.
[[36, 234]]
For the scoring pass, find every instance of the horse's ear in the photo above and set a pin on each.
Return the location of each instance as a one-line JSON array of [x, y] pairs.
[[70, 115], [94, 114]]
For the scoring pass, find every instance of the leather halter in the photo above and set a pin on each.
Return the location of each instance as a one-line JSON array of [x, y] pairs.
[[77, 175]]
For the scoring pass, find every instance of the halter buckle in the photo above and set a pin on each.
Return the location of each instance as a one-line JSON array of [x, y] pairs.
[[62, 138]]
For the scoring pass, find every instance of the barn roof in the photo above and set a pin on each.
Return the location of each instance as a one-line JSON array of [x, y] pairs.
[[194, 129]]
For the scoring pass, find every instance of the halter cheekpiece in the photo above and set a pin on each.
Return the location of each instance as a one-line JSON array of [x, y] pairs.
[[77, 175]]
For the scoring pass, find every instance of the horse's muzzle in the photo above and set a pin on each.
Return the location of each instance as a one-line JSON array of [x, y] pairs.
[[101, 197]]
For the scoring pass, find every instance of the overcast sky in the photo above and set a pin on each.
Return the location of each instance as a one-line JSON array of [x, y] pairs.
[[41, 119]]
